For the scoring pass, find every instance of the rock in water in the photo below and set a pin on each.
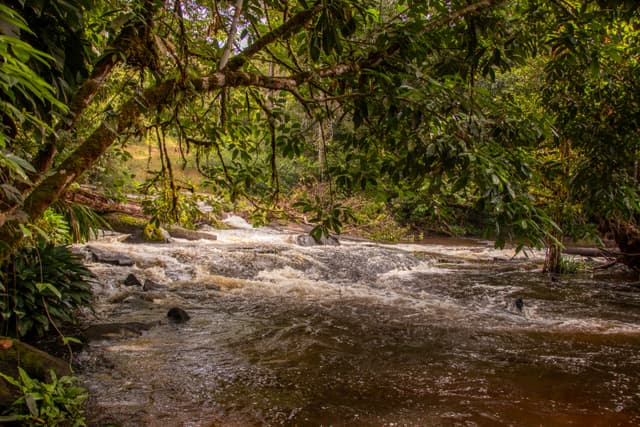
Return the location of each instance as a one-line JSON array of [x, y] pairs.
[[178, 315], [308, 240], [519, 304], [184, 233], [132, 280], [153, 233], [108, 331], [150, 285], [106, 257]]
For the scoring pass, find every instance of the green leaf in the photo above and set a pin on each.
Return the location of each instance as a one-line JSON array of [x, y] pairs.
[[67, 340], [317, 232], [10, 380], [24, 326], [30, 400]]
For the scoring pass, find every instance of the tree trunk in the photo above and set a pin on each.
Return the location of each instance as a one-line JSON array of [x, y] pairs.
[[627, 236], [553, 258]]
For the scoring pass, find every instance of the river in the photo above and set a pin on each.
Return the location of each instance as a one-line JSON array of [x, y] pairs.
[[360, 334]]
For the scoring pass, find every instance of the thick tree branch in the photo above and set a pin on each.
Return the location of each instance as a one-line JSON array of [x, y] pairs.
[[53, 186], [90, 86]]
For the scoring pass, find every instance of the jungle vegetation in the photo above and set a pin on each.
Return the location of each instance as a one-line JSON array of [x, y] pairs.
[[515, 119], [518, 120]]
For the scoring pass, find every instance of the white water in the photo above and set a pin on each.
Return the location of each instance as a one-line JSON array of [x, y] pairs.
[[360, 334]]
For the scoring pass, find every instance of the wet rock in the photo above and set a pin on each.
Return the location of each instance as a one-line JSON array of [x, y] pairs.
[[116, 330], [108, 236], [153, 233], [519, 303], [185, 233], [178, 315], [35, 362], [119, 297], [150, 285], [135, 300], [112, 258], [132, 280], [308, 240], [165, 235]]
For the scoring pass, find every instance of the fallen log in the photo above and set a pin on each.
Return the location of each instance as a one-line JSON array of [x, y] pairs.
[[591, 252], [100, 203]]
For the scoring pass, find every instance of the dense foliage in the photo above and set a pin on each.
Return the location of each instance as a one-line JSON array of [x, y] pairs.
[[58, 402], [42, 288], [518, 119]]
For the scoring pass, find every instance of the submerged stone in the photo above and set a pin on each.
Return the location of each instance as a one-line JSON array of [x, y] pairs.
[[178, 315], [132, 280], [116, 330], [185, 233]]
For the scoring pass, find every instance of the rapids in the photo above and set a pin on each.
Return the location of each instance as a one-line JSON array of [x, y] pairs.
[[359, 334]]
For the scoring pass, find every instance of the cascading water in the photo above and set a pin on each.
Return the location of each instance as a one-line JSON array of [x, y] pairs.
[[359, 334]]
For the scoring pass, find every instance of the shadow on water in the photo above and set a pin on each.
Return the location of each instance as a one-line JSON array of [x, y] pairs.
[[362, 335]]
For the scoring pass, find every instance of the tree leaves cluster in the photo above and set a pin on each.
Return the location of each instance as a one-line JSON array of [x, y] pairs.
[[402, 99]]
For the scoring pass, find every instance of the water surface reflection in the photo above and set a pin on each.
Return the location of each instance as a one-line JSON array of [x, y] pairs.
[[363, 334]]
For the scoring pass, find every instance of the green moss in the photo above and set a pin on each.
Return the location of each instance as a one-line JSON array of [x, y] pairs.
[[153, 233], [125, 220], [126, 224]]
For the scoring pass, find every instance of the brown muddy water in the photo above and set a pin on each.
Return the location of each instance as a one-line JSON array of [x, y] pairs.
[[360, 335]]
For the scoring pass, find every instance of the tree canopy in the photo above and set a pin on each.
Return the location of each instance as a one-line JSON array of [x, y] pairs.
[[527, 110]]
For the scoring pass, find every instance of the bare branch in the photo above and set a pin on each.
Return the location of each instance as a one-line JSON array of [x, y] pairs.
[[232, 33]]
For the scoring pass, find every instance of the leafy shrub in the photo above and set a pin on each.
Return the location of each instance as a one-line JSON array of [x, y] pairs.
[[56, 403], [373, 220], [66, 222], [165, 206], [570, 265], [83, 222], [40, 285], [53, 228]]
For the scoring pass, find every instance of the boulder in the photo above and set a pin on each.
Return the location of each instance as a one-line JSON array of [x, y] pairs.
[[36, 363], [132, 280], [184, 233], [153, 233], [106, 257], [308, 240], [178, 315], [116, 330]]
